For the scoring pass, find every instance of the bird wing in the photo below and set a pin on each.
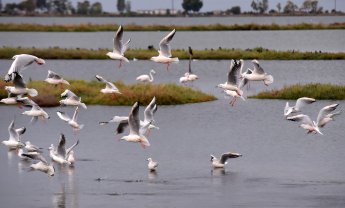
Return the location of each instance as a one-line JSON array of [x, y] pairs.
[[71, 148], [121, 127], [21, 131], [117, 40], [233, 74], [164, 47], [148, 113], [75, 115], [324, 111], [61, 150], [257, 68], [305, 119], [133, 119], [26, 101], [69, 94], [63, 116], [18, 80], [228, 155], [20, 62], [303, 101], [53, 75], [14, 136]]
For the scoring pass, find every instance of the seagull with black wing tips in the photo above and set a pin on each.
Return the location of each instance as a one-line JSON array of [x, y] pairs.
[[35, 112], [258, 74], [61, 155], [220, 163], [325, 115], [13, 141], [300, 103], [55, 79], [21, 62], [19, 87], [42, 165], [119, 48], [71, 121], [109, 86], [134, 126], [71, 99], [165, 51]]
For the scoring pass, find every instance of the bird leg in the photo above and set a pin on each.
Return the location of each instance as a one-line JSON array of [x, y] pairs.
[[120, 64], [168, 64], [233, 103], [142, 145]]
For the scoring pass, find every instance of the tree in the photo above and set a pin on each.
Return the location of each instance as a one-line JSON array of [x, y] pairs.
[[28, 5], [96, 8], [290, 7], [83, 7], [192, 5], [254, 6], [235, 10], [128, 7], [279, 7], [121, 5], [41, 4]]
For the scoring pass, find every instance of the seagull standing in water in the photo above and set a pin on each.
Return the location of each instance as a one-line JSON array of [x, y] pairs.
[[109, 86], [62, 155], [119, 48], [325, 115], [165, 51], [134, 125], [21, 62], [300, 103], [258, 74], [14, 140], [216, 163], [152, 165]]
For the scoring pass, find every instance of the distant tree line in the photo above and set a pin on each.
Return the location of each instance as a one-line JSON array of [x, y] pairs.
[[61, 7], [190, 7]]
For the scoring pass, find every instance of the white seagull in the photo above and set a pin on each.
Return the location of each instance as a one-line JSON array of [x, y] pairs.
[[71, 121], [14, 140], [55, 79], [42, 165], [122, 121], [165, 51], [21, 62], [325, 115], [258, 74], [146, 77], [61, 155], [134, 125], [109, 86], [216, 163], [32, 148], [71, 99], [300, 103], [152, 165], [19, 87], [35, 112], [119, 48]]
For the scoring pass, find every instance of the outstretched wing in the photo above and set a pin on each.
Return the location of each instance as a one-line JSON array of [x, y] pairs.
[[304, 101], [61, 150], [148, 113], [228, 155], [301, 117], [164, 47], [63, 116], [326, 110], [257, 68], [133, 119]]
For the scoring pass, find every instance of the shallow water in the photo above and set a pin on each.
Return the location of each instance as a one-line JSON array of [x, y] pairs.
[[301, 40], [281, 165], [174, 20]]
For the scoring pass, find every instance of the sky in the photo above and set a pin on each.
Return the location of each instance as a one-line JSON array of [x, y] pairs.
[[208, 5]]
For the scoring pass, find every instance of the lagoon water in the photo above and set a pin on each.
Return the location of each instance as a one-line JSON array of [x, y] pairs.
[[300, 40], [281, 165], [175, 20]]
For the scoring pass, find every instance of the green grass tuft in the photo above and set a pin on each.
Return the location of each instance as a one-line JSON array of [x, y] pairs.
[[166, 94], [313, 90]]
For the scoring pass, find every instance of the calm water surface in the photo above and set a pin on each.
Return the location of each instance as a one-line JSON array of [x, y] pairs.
[[281, 165], [304, 40], [173, 20]]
